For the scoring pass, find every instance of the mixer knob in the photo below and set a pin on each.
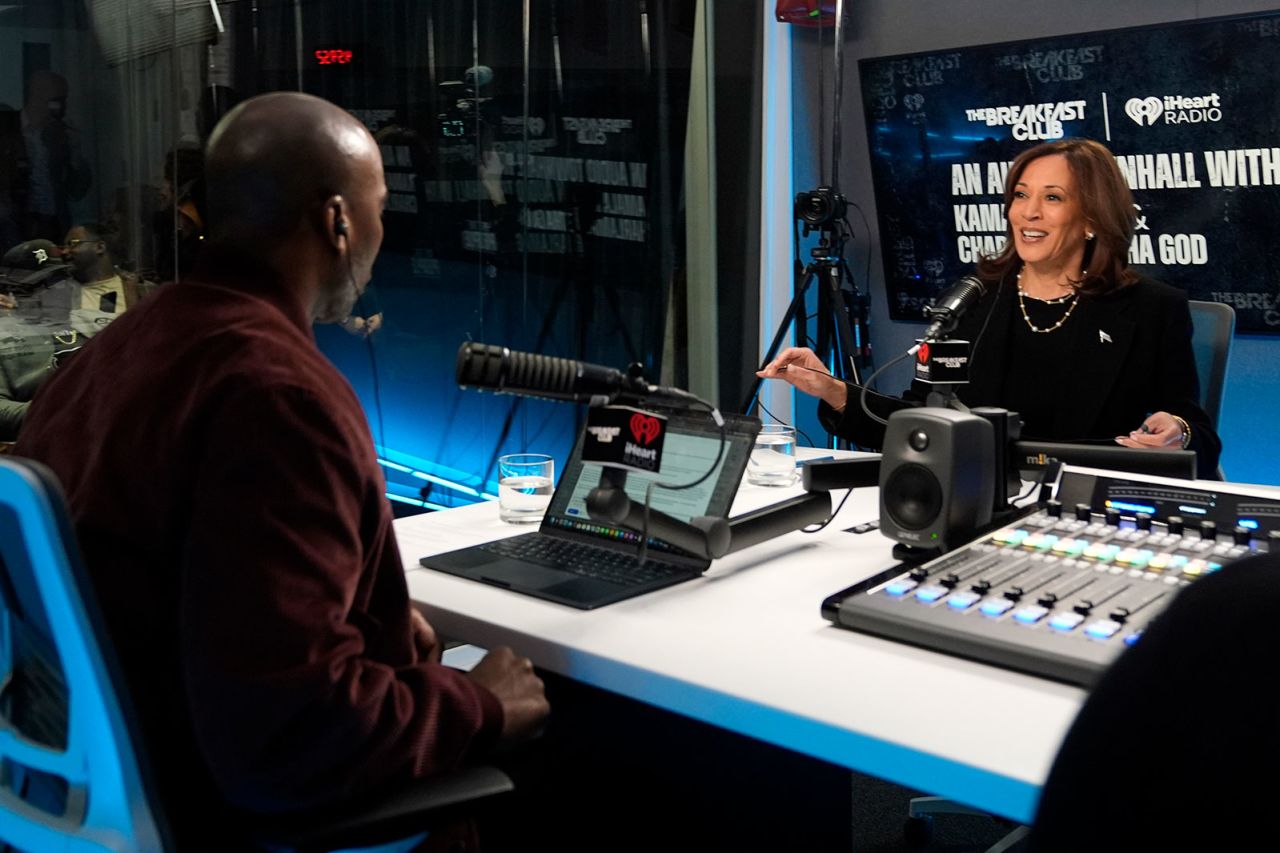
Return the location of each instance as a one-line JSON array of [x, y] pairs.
[[1144, 521], [1083, 512], [1113, 516], [1242, 535], [1054, 508], [1208, 529], [1175, 524]]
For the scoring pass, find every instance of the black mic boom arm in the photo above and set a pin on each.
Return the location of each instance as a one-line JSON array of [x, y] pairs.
[[705, 536]]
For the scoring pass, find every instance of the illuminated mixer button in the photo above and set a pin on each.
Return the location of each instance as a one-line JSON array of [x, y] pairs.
[[1102, 552], [1070, 547], [1130, 639], [1030, 614], [1102, 629], [1065, 621], [930, 594], [1212, 567], [1195, 568], [900, 587], [1159, 562], [1127, 556], [962, 600], [1009, 536], [995, 606]]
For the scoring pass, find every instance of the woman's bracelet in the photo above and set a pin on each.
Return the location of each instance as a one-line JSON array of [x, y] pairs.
[[1186, 431]]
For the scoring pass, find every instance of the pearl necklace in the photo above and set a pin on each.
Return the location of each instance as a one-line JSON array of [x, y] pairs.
[[1072, 298]]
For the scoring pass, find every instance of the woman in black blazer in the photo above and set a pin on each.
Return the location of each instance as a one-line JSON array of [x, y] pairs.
[[1065, 334]]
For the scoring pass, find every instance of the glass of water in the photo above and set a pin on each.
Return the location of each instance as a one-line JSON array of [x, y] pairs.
[[524, 486], [773, 459]]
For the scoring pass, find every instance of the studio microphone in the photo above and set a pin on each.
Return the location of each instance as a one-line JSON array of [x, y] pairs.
[[947, 309], [485, 366]]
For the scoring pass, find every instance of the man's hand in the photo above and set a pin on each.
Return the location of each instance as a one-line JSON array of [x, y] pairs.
[[424, 637], [524, 701], [7, 301]]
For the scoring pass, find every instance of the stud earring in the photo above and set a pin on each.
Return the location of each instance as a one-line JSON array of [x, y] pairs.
[[1089, 235]]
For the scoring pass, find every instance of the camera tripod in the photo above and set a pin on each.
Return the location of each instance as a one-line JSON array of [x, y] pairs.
[[838, 342]]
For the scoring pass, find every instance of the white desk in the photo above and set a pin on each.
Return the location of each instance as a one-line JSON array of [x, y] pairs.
[[746, 648]]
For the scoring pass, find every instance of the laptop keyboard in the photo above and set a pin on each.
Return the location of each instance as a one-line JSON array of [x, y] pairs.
[[585, 560]]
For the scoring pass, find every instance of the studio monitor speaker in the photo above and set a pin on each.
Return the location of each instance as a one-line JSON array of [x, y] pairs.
[[937, 477]]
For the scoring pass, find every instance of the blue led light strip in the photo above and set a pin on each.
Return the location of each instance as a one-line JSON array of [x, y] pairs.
[[432, 478]]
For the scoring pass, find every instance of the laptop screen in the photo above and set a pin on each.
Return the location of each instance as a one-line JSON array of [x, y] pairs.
[[691, 445]]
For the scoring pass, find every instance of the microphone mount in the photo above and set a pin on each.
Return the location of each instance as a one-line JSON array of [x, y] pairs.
[[712, 537]]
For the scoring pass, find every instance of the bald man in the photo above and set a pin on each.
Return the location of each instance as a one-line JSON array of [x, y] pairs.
[[231, 511]]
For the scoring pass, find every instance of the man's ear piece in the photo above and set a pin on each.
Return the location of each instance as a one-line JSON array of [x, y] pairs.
[[340, 228]]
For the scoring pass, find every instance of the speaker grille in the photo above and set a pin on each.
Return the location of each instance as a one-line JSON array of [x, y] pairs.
[[912, 497]]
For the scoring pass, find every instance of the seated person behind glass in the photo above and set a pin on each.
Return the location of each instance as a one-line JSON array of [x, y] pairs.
[[102, 286], [1084, 348], [41, 321]]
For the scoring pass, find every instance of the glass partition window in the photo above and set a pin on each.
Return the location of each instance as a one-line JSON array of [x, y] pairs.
[[533, 153]]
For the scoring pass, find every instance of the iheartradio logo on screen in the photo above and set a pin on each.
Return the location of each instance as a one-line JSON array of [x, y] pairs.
[[1174, 109]]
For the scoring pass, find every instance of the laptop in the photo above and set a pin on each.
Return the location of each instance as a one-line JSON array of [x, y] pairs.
[[575, 560]]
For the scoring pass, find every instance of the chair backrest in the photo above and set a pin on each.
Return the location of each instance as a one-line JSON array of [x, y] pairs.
[[65, 723], [1213, 327]]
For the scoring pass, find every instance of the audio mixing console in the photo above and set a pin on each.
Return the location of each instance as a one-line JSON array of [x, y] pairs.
[[1060, 591]]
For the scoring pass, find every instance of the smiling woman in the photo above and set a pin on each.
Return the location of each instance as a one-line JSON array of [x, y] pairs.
[[1081, 346]]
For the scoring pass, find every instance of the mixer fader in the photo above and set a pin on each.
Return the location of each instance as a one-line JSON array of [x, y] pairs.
[[1060, 592]]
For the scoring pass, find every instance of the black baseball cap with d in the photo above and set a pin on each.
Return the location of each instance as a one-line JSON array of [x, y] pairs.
[[31, 264]]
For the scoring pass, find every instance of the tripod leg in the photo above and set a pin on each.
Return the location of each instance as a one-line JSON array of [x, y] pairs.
[[840, 320], [797, 302]]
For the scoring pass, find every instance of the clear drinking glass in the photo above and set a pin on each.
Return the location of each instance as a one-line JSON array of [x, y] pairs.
[[524, 486], [773, 459]]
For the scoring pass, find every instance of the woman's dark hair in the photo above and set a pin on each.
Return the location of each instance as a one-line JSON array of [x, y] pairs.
[[1105, 202]]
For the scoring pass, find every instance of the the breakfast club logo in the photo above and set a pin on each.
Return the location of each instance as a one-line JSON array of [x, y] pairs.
[[1174, 109], [1030, 121]]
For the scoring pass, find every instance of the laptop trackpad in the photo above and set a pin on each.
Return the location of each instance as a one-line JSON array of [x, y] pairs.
[[519, 575]]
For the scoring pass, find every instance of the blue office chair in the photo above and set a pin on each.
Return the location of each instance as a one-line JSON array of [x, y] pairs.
[[73, 766], [1213, 329]]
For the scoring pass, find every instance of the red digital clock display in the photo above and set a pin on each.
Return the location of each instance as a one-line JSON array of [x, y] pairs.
[[334, 56]]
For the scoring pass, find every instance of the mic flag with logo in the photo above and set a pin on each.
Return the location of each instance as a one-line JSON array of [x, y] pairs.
[[624, 437], [943, 362]]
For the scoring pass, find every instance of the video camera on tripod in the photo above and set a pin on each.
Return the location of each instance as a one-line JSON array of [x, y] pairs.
[[842, 310]]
